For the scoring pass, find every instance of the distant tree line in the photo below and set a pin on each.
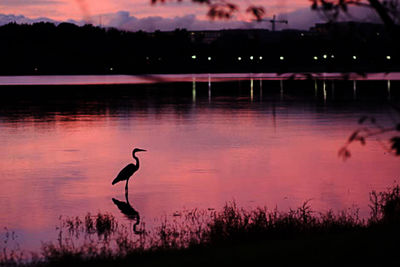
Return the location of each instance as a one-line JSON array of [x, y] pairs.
[[45, 48]]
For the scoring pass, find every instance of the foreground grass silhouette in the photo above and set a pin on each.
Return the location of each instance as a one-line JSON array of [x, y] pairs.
[[232, 236]]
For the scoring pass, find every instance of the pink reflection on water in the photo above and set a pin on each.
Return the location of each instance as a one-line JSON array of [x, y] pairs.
[[158, 78], [201, 160]]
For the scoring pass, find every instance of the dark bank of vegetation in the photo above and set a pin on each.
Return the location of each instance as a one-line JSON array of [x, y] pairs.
[[46, 48], [231, 236]]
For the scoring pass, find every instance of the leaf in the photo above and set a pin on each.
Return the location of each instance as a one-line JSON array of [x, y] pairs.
[[202, 1], [257, 11], [362, 140], [344, 153], [396, 144], [362, 119], [221, 10], [314, 5], [353, 136]]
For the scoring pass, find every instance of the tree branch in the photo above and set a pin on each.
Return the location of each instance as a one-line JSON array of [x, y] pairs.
[[383, 13]]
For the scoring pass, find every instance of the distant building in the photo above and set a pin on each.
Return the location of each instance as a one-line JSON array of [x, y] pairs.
[[206, 37], [363, 28]]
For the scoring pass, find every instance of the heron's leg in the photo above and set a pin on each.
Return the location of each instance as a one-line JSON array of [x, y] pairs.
[[136, 224], [126, 187], [135, 230]]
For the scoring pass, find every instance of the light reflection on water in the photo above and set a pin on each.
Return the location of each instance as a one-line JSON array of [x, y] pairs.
[[200, 77], [256, 146]]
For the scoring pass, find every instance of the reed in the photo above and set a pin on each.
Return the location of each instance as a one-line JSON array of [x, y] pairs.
[[100, 240]]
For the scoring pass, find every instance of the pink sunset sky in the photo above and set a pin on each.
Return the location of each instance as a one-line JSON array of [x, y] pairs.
[[77, 9], [141, 14]]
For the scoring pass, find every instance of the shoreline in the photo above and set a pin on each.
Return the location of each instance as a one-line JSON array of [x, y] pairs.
[[118, 79], [299, 236]]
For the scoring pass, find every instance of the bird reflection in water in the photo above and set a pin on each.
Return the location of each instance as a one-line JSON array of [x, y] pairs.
[[129, 212]]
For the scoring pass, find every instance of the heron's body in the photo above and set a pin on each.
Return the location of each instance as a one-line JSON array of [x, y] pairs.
[[129, 170], [125, 173]]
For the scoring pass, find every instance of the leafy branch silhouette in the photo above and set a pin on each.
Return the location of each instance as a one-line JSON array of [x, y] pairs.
[[387, 10], [374, 129], [221, 9]]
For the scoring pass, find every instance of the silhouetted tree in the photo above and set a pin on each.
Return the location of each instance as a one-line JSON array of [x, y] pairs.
[[387, 10], [44, 48]]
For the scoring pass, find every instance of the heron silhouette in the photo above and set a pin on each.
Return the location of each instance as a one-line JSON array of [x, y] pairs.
[[129, 170]]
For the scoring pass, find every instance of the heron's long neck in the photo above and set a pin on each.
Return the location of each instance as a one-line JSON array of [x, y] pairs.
[[137, 160]]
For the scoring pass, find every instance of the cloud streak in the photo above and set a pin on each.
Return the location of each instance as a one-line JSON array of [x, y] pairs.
[[123, 20], [303, 19], [24, 3], [20, 19]]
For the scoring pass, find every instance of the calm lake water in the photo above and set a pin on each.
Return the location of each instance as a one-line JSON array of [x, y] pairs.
[[259, 144]]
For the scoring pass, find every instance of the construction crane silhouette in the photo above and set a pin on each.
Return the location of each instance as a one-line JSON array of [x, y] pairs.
[[273, 22]]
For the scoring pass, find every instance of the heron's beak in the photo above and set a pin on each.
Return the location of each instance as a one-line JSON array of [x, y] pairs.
[[138, 149]]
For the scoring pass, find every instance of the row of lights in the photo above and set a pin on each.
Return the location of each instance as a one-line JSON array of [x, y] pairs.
[[251, 58], [325, 56], [260, 58], [354, 57], [239, 58]]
